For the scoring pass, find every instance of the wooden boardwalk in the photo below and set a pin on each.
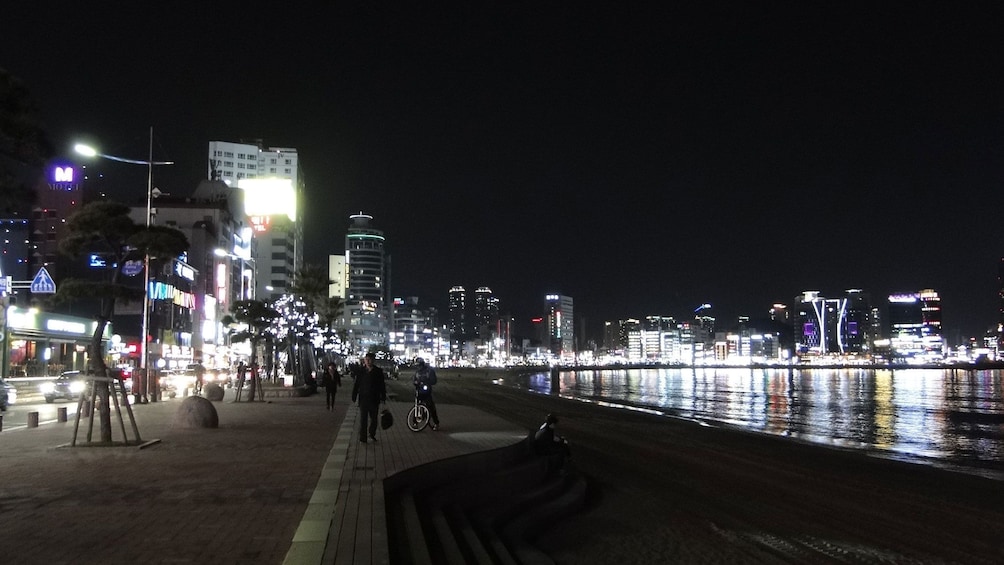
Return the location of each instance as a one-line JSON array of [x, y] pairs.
[[345, 521]]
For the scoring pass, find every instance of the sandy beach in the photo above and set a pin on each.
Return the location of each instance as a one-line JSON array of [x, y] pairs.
[[671, 491]]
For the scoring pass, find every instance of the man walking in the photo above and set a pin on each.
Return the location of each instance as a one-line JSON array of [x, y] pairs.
[[370, 389], [424, 378], [331, 380]]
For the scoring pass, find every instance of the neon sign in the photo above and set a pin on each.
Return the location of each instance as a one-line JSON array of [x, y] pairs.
[[62, 174]]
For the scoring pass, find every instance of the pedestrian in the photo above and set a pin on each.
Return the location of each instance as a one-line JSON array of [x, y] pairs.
[[370, 389], [424, 379], [309, 382], [331, 380], [548, 443], [200, 371], [242, 370]]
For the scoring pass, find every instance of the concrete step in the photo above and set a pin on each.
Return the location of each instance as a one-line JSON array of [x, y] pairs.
[[523, 530]]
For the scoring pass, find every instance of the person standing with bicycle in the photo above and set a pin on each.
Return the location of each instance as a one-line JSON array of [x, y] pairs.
[[371, 390], [425, 378]]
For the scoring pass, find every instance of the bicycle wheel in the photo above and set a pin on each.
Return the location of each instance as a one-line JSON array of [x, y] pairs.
[[418, 418]]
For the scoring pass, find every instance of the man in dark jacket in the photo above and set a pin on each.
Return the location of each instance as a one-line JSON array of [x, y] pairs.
[[370, 389], [548, 443], [425, 377], [331, 379]]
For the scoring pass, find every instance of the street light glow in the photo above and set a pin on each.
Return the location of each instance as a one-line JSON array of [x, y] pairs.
[[88, 151], [85, 150]]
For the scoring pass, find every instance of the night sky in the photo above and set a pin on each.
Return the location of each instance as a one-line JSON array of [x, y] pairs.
[[642, 161]]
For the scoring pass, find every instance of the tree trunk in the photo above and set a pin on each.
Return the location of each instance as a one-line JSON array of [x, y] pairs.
[[98, 368]]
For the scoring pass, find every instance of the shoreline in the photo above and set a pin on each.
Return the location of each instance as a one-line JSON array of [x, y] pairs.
[[976, 469], [959, 366], [668, 490]]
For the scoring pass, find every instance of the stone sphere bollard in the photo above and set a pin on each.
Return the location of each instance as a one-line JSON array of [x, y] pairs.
[[213, 392], [196, 412]]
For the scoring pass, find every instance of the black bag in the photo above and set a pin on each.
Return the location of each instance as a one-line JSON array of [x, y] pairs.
[[386, 419]]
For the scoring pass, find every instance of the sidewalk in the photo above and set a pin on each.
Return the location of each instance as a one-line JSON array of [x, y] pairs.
[[284, 481]]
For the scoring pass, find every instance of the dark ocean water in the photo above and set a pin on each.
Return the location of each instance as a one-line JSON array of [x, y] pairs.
[[953, 419]]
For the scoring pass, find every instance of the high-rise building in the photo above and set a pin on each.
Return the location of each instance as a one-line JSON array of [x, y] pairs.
[[486, 313], [191, 294], [14, 250], [1000, 305], [367, 319], [915, 325], [459, 326], [613, 340], [561, 324], [273, 185], [416, 332], [338, 276], [839, 326], [59, 196]]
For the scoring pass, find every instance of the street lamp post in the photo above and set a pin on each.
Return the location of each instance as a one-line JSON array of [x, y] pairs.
[[144, 346]]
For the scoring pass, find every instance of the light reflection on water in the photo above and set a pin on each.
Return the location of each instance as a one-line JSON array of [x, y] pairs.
[[932, 415]]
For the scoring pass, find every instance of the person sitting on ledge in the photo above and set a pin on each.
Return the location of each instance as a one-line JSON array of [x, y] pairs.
[[548, 443]]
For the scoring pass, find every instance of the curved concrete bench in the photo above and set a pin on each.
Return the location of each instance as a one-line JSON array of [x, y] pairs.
[[483, 507]]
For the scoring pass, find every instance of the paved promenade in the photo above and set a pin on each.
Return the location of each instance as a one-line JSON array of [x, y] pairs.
[[283, 481]]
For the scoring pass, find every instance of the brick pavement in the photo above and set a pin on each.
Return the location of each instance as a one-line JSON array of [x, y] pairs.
[[283, 481]]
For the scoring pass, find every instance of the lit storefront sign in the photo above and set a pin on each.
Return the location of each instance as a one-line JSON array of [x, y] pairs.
[[164, 291], [184, 271], [65, 326], [21, 320], [221, 282]]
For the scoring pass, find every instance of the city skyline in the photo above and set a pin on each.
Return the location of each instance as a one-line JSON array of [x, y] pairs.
[[642, 162]]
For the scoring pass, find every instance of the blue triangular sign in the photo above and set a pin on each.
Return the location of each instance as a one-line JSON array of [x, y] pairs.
[[43, 283]]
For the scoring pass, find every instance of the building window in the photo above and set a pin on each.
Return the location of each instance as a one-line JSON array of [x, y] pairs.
[[288, 162]]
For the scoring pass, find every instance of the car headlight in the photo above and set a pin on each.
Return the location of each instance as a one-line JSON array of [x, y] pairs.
[[47, 388], [76, 387]]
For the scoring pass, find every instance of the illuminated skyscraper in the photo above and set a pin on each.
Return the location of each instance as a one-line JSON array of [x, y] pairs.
[[838, 326], [366, 313], [486, 313], [459, 329], [561, 324], [1000, 305], [915, 324]]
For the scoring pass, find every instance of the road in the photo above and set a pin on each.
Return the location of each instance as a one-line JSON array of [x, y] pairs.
[[16, 416]]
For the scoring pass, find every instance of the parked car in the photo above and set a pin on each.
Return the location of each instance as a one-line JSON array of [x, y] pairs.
[[8, 395], [67, 385]]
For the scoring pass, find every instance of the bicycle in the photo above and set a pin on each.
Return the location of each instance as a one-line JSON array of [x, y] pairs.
[[418, 416]]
